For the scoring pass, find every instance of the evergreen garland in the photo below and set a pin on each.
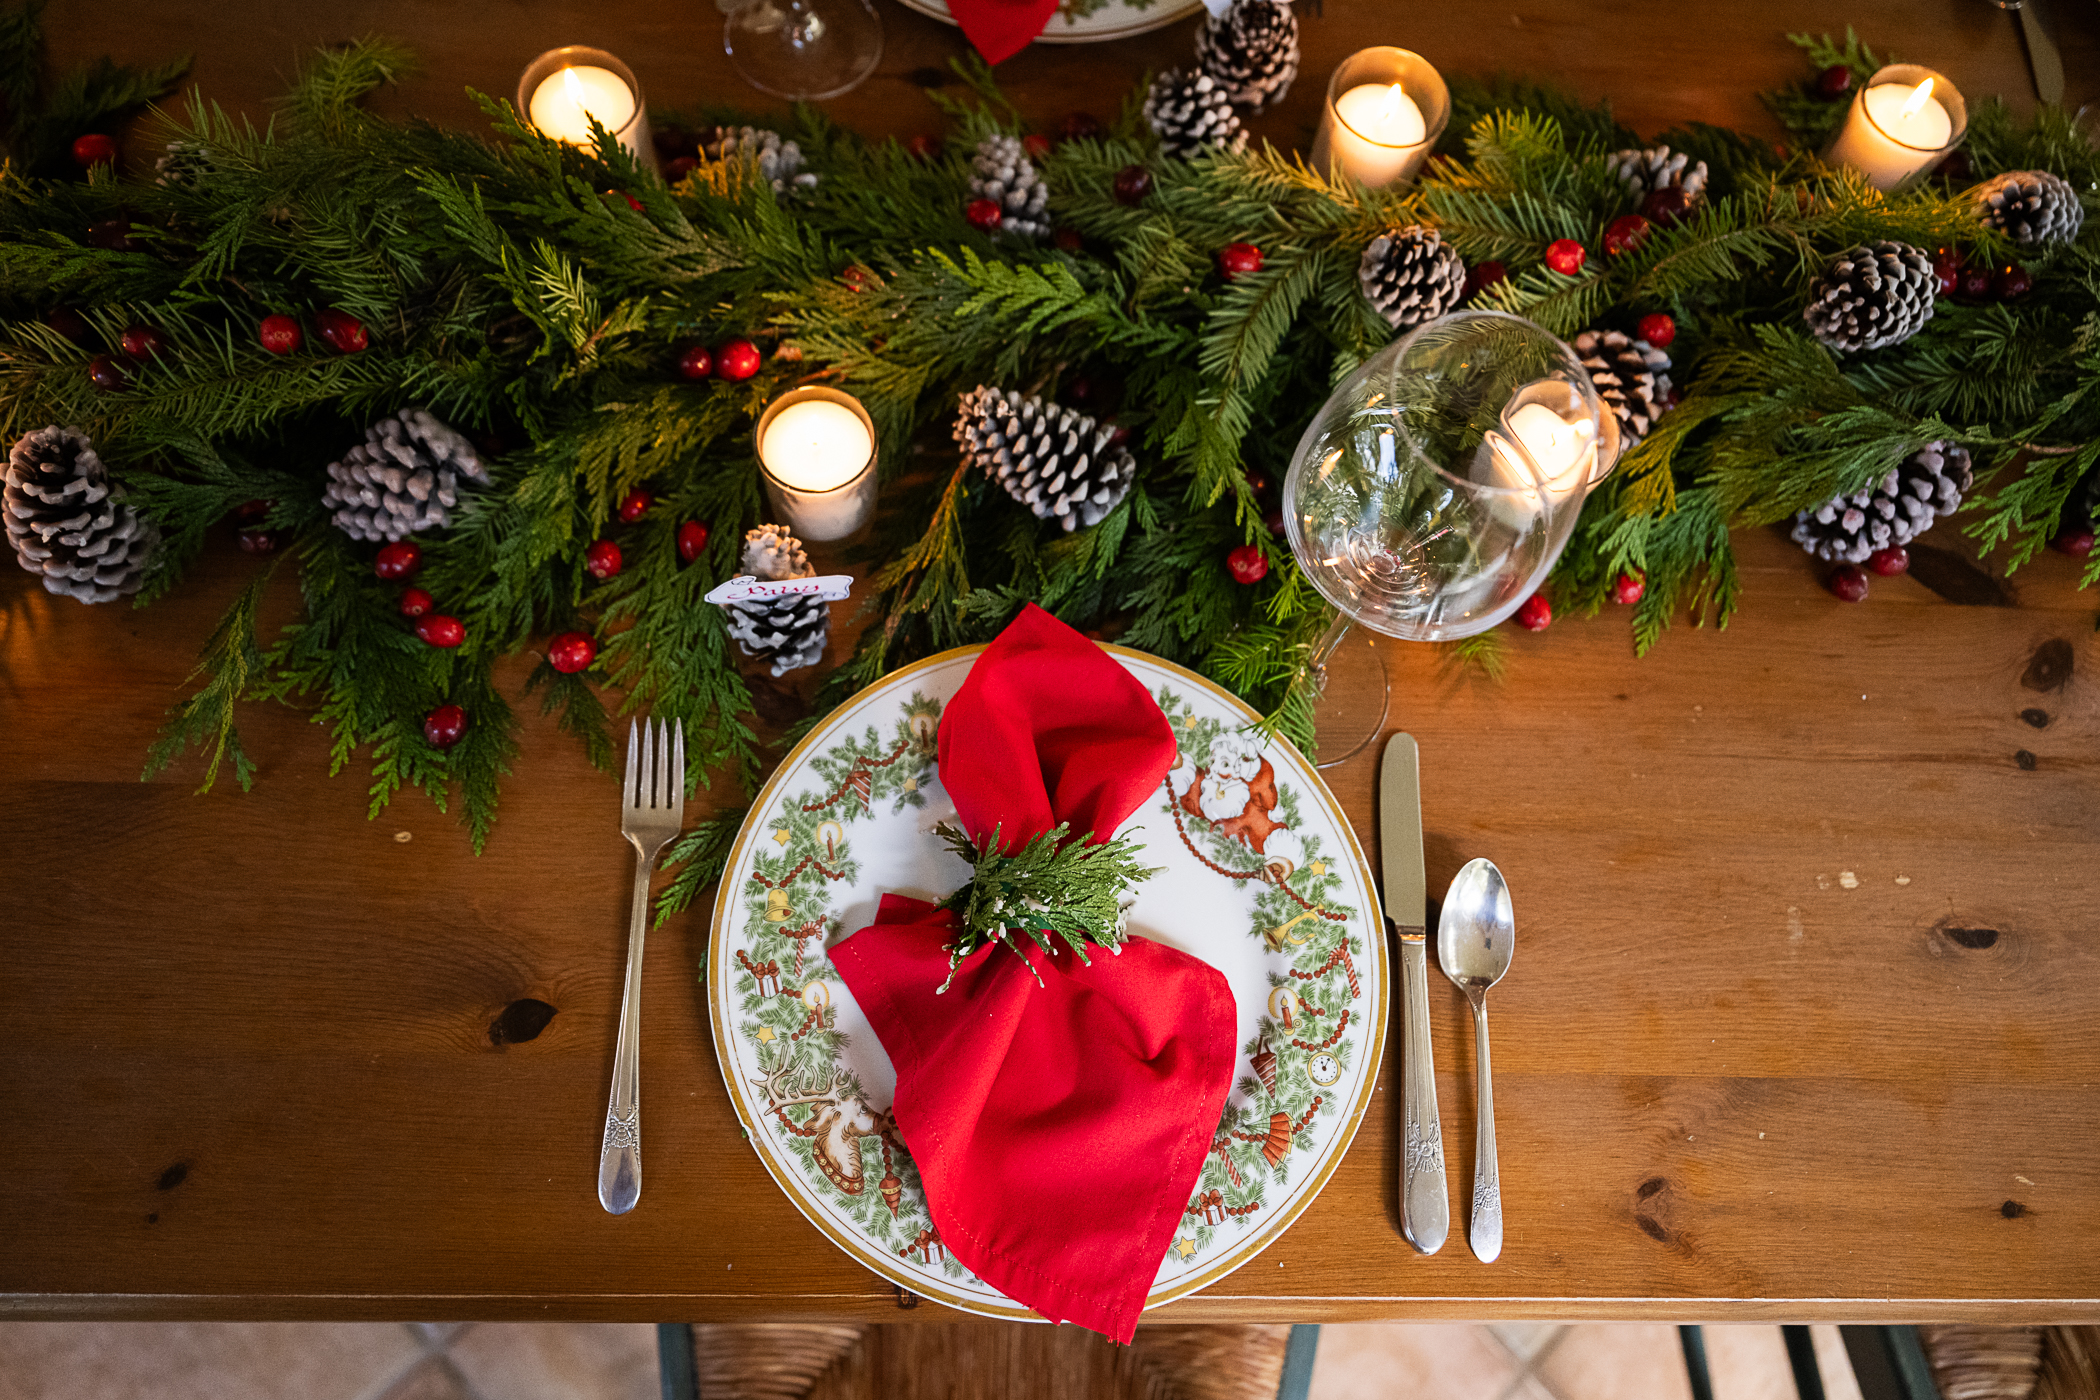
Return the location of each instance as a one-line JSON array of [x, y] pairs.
[[510, 286]]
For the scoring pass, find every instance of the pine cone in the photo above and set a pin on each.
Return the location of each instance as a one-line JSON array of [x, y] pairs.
[[791, 631], [779, 161], [1052, 459], [1893, 511], [402, 478], [1002, 172], [2030, 206], [1871, 296], [182, 163], [1645, 172], [1412, 276], [68, 521], [1251, 51], [1190, 114], [1631, 376]]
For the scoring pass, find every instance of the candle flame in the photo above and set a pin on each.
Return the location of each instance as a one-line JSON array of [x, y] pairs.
[[1917, 99], [574, 89], [1393, 97]]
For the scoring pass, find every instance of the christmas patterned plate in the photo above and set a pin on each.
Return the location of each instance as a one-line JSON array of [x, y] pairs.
[[1262, 879], [1090, 21]]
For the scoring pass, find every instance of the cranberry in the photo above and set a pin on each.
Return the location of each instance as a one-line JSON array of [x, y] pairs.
[[415, 602], [2077, 542], [441, 630], [1535, 614], [1566, 256], [1036, 145], [1248, 564], [1272, 520], [2012, 281], [1975, 284], [984, 214], [257, 541], [1625, 233], [93, 149], [1849, 581], [250, 512], [397, 560], [1236, 260], [1483, 275], [736, 360], [1627, 589], [1889, 562], [1668, 206], [142, 342], [340, 331], [1068, 240], [1082, 126], [924, 147], [692, 538], [71, 324], [443, 726], [696, 362], [634, 505], [1834, 82], [602, 559], [109, 373], [1133, 183], [1946, 265], [571, 652], [680, 167], [280, 334], [1657, 329]]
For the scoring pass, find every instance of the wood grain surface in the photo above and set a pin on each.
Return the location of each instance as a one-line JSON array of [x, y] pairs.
[[1801, 1025]]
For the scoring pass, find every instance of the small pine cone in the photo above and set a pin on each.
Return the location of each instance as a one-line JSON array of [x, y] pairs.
[[793, 632], [771, 553], [779, 161], [404, 477], [183, 163], [1190, 114], [1871, 296], [2030, 206], [1001, 171], [1251, 51], [68, 521], [1893, 511], [1645, 172], [1630, 375], [1056, 461], [1412, 276]]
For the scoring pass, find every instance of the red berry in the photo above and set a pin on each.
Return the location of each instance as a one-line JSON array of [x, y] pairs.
[[1668, 206], [1081, 126], [2077, 542], [1975, 284], [443, 726], [441, 630], [696, 362], [1566, 256], [1627, 589], [71, 324], [602, 559], [924, 147], [93, 149], [340, 331], [985, 214], [109, 373], [415, 602], [256, 541], [280, 334], [1272, 520], [1889, 562], [1946, 265], [1483, 275], [1849, 581], [632, 202], [1248, 563], [692, 538], [1238, 259], [1133, 183], [1834, 82], [2012, 281], [1036, 146], [1657, 329], [634, 505], [250, 512], [679, 167], [142, 342], [1535, 614], [736, 360], [1625, 233], [571, 652], [1068, 240], [397, 560]]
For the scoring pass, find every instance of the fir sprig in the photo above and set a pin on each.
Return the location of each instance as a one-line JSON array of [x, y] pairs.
[[1050, 887]]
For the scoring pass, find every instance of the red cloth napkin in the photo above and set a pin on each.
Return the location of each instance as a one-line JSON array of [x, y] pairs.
[[1059, 1127], [1001, 28]]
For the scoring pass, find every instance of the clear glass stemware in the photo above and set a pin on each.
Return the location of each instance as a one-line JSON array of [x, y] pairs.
[[802, 49]]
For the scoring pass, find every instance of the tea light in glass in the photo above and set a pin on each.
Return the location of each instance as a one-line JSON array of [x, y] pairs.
[[1903, 123], [816, 457], [1385, 109], [564, 89]]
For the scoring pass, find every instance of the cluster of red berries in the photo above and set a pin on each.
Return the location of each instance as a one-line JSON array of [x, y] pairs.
[[339, 331], [734, 360], [1979, 282]]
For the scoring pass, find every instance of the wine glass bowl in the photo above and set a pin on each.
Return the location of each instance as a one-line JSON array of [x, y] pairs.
[[807, 50]]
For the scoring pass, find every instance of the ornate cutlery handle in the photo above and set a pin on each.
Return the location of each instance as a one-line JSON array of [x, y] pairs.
[[620, 1156], [1485, 1233], [1425, 1206]]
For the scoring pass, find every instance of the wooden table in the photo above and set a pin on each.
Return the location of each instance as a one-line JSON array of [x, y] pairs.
[[1801, 1026]]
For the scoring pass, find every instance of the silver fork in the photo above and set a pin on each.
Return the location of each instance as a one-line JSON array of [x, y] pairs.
[[652, 808]]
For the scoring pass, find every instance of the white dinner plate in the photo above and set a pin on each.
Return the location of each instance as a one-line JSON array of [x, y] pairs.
[[1116, 19]]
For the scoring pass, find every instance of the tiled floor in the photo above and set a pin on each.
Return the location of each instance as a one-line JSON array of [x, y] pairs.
[[580, 1361]]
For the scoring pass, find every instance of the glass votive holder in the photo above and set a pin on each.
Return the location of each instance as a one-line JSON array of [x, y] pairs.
[[562, 89], [816, 457], [1905, 121], [1385, 109]]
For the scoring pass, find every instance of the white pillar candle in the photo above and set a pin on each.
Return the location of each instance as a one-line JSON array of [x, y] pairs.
[[1385, 109], [816, 454], [564, 89], [1898, 128]]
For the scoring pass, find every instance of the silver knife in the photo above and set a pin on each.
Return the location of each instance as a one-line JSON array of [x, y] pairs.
[[1425, 1207], [2042, 58]]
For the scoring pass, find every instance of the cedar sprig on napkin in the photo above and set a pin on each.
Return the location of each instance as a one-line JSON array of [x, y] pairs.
[[1073, 889]]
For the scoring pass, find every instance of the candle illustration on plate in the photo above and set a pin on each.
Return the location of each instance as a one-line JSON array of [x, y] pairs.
[[1385, 110], [1904, 122]]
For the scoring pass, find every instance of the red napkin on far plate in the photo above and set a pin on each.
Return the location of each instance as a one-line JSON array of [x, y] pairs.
[[1001, 28], [1059, 1127]]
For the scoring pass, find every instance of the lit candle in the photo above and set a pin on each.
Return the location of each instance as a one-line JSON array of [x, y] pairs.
[[1385, 110], [816, 452], [1899, 127], [565, 89], [1563, 453]]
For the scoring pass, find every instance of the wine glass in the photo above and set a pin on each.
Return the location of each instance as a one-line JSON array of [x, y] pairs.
[[1434, 490], [802, 49]]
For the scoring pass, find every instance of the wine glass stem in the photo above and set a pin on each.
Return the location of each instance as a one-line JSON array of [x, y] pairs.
[[1324, 651]]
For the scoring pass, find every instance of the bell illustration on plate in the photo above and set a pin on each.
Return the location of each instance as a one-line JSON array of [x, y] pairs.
[[777, 908]]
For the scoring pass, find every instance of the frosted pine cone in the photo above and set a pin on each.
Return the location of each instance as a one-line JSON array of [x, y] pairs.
[[1412, 276], [1645, 172], [779, 161], [404, 477], [1055, 460], [792, 632], [1001, 171], [68, 522], [1251, 51], [1894, 511], [1190, 114], [1871, 296], [1630, 375], [2032, 207]]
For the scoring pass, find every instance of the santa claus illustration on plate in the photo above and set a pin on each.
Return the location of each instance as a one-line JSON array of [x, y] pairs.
[[1236, 793]]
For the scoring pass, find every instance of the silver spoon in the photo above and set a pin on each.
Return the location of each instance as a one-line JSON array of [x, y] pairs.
[[1475, 936]]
